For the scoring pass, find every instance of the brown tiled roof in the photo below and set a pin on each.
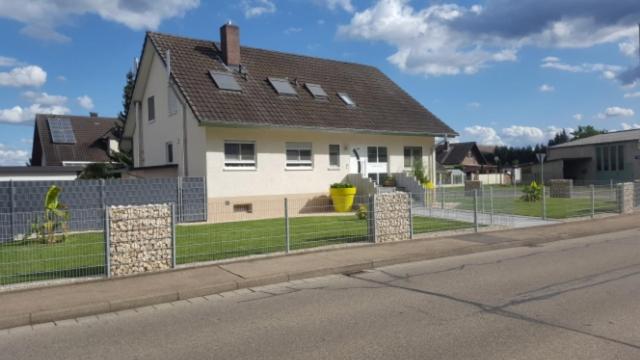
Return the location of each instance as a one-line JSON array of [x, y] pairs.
[[382, 106], [89, 133], [457, 153]]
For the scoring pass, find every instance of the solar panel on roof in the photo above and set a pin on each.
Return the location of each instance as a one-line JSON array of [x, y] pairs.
[[61, 131], [225, 81], [346, 98], [316, 90], [282, 86]]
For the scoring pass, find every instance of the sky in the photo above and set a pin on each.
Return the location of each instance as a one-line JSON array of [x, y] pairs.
[[497, 71]]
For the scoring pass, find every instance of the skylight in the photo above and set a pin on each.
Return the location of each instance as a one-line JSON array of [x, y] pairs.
[[316, 90], [61, 131], [346, 98], [282, 86], [225, 81]]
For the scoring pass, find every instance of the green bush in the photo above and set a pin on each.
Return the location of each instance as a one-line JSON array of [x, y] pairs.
[[532, 193], [342, 186], [362, 212]]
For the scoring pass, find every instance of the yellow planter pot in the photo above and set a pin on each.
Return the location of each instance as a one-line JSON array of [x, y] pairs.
[[343, 198]]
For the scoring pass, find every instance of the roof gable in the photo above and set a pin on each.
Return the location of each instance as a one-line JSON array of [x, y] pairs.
[[381, 105], [457, 152]]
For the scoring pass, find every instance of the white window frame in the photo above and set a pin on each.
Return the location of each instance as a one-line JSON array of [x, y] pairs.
[[332, 166], [240, 164], [298, 164], [412, 147]]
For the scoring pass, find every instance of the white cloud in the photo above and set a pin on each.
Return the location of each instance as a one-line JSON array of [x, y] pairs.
[[345, 5], [474, 104], [12, 157], [41, 18], [517, 134], [615, 111], [483, 135], [8, 61], [61, 78], [626, 126], [30, 75], [632, 95], [607, 71], [546, 88], [292, 30], [20, 115], [629, 48], [578, 116], [85, 102], [449, 39], [44, 98], [255, 8]]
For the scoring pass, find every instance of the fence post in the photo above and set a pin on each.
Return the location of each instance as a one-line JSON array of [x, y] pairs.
[[442, 199], [491, 204], [179, 197], [173, 235], [102, 196], [287, 245], [12, 195], [475, 210], [371, 218], [544, 202], [410, 217], [593, 201], [482, 197], [107, 243]]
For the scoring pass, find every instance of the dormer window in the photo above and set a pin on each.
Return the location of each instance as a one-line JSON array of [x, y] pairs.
[[282, 86], [346, 99]]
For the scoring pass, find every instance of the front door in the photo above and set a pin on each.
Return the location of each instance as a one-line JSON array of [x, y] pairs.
[[377, 163]]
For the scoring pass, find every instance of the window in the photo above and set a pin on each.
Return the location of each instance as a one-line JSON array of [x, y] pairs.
[[605, 155], [151, 108], [377, 154], [169, 153], [599, 159], [614, 157], [172, 101], [282, 86], [620, 157], [317, 91], [411, 155], [225, 81], [334, 156], [239, 154], [299, 155], [346, 99]]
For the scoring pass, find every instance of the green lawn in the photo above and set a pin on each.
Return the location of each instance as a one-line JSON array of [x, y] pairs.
[[83, 254]]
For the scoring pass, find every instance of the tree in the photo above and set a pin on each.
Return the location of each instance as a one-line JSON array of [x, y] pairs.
[[586, 131], [560, 138], [127, 93]]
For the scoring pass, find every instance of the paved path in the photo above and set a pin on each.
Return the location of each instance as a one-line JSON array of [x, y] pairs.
[[575, 299], [514, 221], [42, 305]]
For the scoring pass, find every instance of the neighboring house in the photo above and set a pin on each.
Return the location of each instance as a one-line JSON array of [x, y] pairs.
[[68, 140], [613, 156], [465, 158], [262, 124]]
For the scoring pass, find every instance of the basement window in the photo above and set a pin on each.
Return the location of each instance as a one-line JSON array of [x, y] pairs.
[[243, 208]]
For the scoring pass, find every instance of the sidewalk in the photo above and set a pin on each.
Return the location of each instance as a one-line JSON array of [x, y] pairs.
[[32, 306]]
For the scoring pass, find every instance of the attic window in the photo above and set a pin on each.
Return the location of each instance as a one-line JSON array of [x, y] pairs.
[[225, 81], [61, 131], [317, 91], [346, 99], [282, 86]]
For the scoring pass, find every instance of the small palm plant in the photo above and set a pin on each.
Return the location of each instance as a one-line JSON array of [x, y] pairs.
[[532, 193], [55, 218]]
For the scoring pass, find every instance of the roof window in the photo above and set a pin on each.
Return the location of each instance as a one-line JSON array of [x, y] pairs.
[[317, 91], [346, 99], [225, 81], [282, 86]]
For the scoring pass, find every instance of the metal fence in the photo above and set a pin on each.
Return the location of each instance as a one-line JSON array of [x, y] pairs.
[[83, 196], [287, 225]]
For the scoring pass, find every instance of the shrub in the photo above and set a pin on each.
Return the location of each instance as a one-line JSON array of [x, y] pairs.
[[362, 212], [532, 193], [342, 186]]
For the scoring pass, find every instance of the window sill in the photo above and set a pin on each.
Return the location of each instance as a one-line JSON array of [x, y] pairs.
[[334, 168], [239, 168], [299, 168]]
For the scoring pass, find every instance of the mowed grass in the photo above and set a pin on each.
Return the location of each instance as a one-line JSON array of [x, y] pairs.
[[83, 254]]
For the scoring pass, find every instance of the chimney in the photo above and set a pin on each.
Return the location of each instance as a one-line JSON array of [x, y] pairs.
[[230, 44]]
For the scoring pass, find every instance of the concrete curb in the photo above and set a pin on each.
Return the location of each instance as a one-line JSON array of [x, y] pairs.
[[155, 299]]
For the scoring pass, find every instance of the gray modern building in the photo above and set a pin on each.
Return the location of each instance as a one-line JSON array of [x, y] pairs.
[[614, 156]]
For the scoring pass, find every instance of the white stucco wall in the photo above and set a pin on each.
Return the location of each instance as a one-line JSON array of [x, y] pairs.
[[271, 177]]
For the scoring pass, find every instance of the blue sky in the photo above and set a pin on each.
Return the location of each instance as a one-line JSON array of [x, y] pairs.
[[556, 64]]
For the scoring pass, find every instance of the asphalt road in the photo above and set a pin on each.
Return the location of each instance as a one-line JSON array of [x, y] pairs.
[[575, 299]]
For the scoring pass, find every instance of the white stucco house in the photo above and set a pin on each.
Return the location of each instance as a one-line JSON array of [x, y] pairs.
[[262, 124]]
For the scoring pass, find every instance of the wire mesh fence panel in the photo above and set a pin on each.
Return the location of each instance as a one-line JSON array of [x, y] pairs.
[[49, 248]]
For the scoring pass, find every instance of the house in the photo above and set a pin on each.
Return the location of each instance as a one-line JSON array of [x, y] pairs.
[[68, 140], [460, 160], [262, 125], [603, 158], [39, 173]]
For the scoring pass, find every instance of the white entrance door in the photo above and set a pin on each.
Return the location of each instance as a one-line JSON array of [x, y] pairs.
[[377, 163]]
